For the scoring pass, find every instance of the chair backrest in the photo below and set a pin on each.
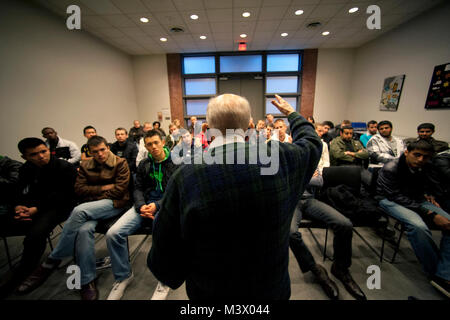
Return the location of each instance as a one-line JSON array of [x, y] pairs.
[[337, 175]]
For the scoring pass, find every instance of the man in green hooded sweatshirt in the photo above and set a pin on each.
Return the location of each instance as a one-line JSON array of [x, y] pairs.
[[152, 176]]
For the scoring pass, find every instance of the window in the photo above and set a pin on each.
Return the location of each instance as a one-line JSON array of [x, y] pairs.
[[196, 106], [283, 62], [200, 86], [270, 108], [198, 65], [243, 63], [282, 84]]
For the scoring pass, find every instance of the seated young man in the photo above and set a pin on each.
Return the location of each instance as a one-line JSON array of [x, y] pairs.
[[125, 148], [102, 187], [45, 197], [440, 178], [61, 148], [152, 177], [425, 132], [371, 131], [88, 132], [383, 146], [344, 150], [402, 190], [136, 132], [9, 177]]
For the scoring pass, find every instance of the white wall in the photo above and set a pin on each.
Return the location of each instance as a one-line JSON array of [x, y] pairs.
[[413, 49], [333, 84], [50, 76], [152, 88]]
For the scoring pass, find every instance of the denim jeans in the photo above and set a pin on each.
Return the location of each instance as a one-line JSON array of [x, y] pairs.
[[341, 226], [435, 261], [116, 240], [78, 234]]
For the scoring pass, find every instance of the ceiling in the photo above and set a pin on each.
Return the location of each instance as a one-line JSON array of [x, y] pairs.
[[118, 22]]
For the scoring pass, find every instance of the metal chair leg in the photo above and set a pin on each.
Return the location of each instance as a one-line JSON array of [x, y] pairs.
[[325, 246]]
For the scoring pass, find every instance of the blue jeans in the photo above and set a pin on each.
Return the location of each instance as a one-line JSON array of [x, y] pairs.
[[435, 261], [78, 234], [116, 240]]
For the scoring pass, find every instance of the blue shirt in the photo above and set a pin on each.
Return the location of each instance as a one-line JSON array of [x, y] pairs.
[[365, 138]]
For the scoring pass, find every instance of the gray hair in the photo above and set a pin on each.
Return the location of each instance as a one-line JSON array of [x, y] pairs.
[[228, 111]]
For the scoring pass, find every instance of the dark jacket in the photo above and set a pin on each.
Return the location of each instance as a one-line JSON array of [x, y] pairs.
[[440, 175], [9, 177], [399, 184], [147, 189], [224, 229], [129, 153], [92, 176], [51, 186], [438, 145], [135, 134]]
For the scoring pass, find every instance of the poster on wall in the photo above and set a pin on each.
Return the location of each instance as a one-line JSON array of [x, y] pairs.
[[439, 92], [390, 95]]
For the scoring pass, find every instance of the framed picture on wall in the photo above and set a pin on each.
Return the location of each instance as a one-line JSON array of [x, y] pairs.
[[439, 92], [390, 95]]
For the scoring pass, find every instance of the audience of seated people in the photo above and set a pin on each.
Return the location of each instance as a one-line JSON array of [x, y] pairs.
[[88, 131], [383, 146], [344, 150], [425, 132], [102, 188], [61, 148], [413, 186], [371, 131]]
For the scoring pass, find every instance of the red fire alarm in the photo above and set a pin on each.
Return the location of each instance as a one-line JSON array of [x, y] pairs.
[[242, 46]]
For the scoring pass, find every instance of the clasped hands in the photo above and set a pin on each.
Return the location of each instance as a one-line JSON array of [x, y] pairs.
[[148, 210], [24, 213]]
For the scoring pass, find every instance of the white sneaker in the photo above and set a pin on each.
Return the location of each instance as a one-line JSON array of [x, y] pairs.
[[119, 288], [161, 292]]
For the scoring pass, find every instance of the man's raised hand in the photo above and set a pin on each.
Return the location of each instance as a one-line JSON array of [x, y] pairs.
[[282, 105]]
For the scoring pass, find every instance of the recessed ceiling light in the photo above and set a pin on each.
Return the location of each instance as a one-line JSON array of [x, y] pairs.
[[325, 33], [243, 35], [352, 10], [144, 20], [284, 34], [203, 37], [194, 17], [246, 14], [298, 12], [163, 39]]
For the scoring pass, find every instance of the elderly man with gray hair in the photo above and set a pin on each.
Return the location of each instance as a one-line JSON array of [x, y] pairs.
[[224, 228]]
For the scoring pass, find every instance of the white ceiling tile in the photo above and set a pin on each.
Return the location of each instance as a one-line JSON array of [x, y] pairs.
[[222, 36], [338, 23], [263, 36], [307, 9], [111, 32], [307, 2], [145, 42], [325, 11], [159, 5], [333, 1], [221, 27], [135, 17], [219, 15], [276, 2], [223, 43], [187, 5], [247, 3], [344, 33], [267, 25], [218, 4], [289, 25], [101, 6], [202, 17], [244, 27], [362, 7], [95, 22], [154, 30], [119, 20], [169, 18], [130, 6], [199, 28], [133, 31], [272, 13]]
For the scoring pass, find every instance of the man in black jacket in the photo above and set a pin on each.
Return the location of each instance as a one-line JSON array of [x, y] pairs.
[[125, 148], [152, 177], [403, 187], [45, 198], [9, 177]]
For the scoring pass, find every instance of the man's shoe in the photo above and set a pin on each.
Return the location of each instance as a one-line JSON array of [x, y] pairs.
[[119, 288], [442, 285], [38, 277], [346, 278], [325, 282], [89, 291], [161, 292]]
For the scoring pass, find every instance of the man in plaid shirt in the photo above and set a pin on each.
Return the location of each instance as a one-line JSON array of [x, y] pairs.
[[224, 229]]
